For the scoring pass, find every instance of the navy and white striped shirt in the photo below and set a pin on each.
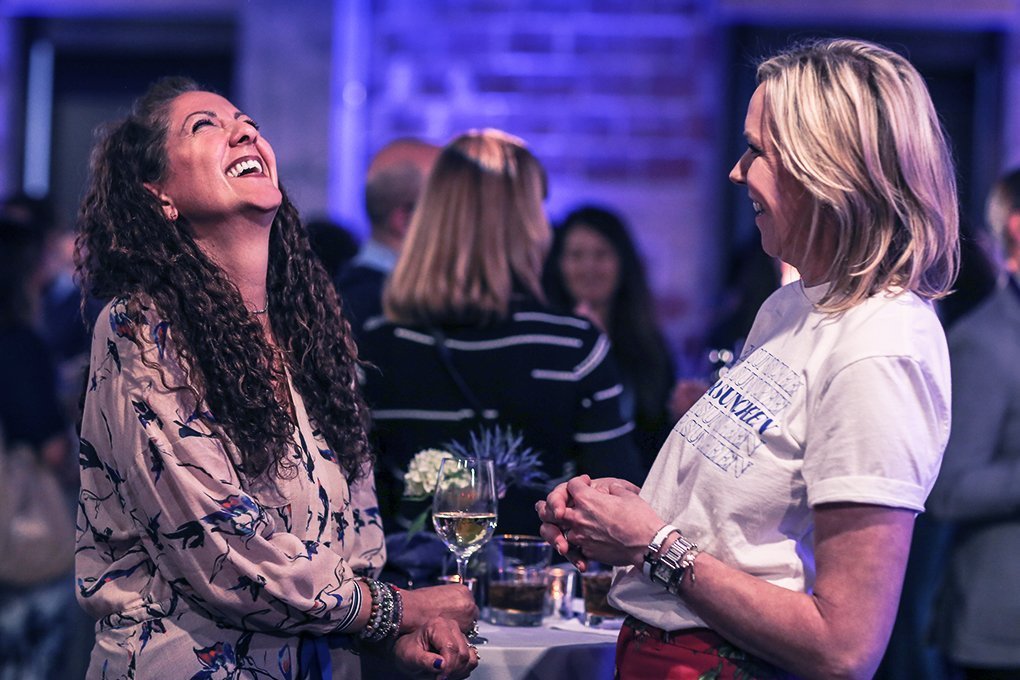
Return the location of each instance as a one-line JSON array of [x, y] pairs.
[[551, 376]]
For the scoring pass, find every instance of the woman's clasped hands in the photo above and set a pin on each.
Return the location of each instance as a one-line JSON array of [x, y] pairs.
[[435, 645], [598, 519]]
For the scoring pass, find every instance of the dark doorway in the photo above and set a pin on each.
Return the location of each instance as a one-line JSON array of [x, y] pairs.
[[100, 66]]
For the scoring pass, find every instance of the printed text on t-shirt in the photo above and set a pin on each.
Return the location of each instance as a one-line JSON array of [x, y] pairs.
[[750, 397]]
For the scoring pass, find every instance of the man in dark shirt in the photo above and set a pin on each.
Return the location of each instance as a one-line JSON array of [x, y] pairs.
[[393, 183]]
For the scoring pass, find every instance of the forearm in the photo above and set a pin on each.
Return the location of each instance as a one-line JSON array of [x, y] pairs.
[[804, 634], [838, 630]]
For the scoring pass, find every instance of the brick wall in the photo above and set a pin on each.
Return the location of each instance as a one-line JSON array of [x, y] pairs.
[[284, 80], [618, 99]]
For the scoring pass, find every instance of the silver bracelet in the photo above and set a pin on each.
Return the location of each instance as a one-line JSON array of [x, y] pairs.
[[669, 570], [652, 556]]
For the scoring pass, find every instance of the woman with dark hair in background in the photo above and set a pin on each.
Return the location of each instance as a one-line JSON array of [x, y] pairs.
[[594, 270], [227, 521]]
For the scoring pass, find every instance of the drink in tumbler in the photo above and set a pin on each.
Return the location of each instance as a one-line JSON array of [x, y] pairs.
[[517, 598], [518, 579], [595, 583]]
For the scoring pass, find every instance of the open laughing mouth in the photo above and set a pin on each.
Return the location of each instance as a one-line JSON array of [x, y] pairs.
[[248, 165], [757, 207]]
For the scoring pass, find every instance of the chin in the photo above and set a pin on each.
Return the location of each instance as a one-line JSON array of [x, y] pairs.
[[269, 204]]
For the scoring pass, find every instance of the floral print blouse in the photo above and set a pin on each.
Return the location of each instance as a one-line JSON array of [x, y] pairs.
[[191, 570]]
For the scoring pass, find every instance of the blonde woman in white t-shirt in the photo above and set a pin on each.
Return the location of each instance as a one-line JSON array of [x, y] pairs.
[[772, 533]]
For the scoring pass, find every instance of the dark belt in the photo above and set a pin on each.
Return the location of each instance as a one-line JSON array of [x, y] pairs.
[[706, 635]]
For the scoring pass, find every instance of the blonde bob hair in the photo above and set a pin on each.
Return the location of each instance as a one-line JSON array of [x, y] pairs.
[[478, 229], [853, 123]]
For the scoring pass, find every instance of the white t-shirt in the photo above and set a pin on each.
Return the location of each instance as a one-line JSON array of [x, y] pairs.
[[819, 409]]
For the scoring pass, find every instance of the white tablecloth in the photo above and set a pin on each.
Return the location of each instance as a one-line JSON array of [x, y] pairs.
[[544, 653]]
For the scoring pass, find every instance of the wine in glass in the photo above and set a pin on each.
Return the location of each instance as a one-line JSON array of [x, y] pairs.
[[464, 508]]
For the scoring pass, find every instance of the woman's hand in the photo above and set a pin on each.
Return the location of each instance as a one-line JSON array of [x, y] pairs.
[[615, 485], [602, 520], [453, 602], [551, 511], [435, 649]]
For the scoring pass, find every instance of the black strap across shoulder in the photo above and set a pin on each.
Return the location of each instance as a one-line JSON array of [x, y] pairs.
[[455, 375]]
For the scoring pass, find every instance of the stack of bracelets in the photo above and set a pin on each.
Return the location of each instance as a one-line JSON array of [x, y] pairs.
[[387, 612], [668, 569]]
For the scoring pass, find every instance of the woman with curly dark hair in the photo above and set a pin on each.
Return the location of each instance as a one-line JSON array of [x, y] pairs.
[[595, 270], [227, 520]]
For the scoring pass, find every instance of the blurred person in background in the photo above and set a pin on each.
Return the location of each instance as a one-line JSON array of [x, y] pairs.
[[227, 522], [393, 184], [977, 616], [56, 309], [467, 339], [595, 271], [333, 243], [37, 638]]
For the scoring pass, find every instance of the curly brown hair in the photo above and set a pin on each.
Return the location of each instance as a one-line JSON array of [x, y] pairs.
[[127, 247]]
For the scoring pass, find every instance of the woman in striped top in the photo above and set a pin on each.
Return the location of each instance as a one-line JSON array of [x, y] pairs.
[[468, 340]]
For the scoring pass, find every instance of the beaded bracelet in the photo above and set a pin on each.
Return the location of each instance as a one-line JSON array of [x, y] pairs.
[[387, 612], [398, 601], [374, 623]]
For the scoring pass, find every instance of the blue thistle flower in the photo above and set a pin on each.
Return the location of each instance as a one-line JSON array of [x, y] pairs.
[[515, 464]]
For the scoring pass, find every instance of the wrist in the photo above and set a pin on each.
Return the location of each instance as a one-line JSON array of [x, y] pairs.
[[673, 563], [655, 546], [670, 540], [386, 612], [412, 613]]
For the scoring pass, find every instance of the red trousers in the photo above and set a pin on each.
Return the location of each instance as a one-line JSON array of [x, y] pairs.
[[644, 652]]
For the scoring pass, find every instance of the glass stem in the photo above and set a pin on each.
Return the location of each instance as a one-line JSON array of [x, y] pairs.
[[462, 569]]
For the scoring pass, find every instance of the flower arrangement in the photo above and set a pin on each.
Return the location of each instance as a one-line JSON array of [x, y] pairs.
[[514, 463], [423, 473]]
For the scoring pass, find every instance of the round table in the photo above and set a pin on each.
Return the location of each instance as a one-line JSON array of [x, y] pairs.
[[544, 653], [534, 653]]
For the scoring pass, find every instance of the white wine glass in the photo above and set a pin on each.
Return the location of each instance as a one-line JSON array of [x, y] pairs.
[[464, 510], [464, 507]]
